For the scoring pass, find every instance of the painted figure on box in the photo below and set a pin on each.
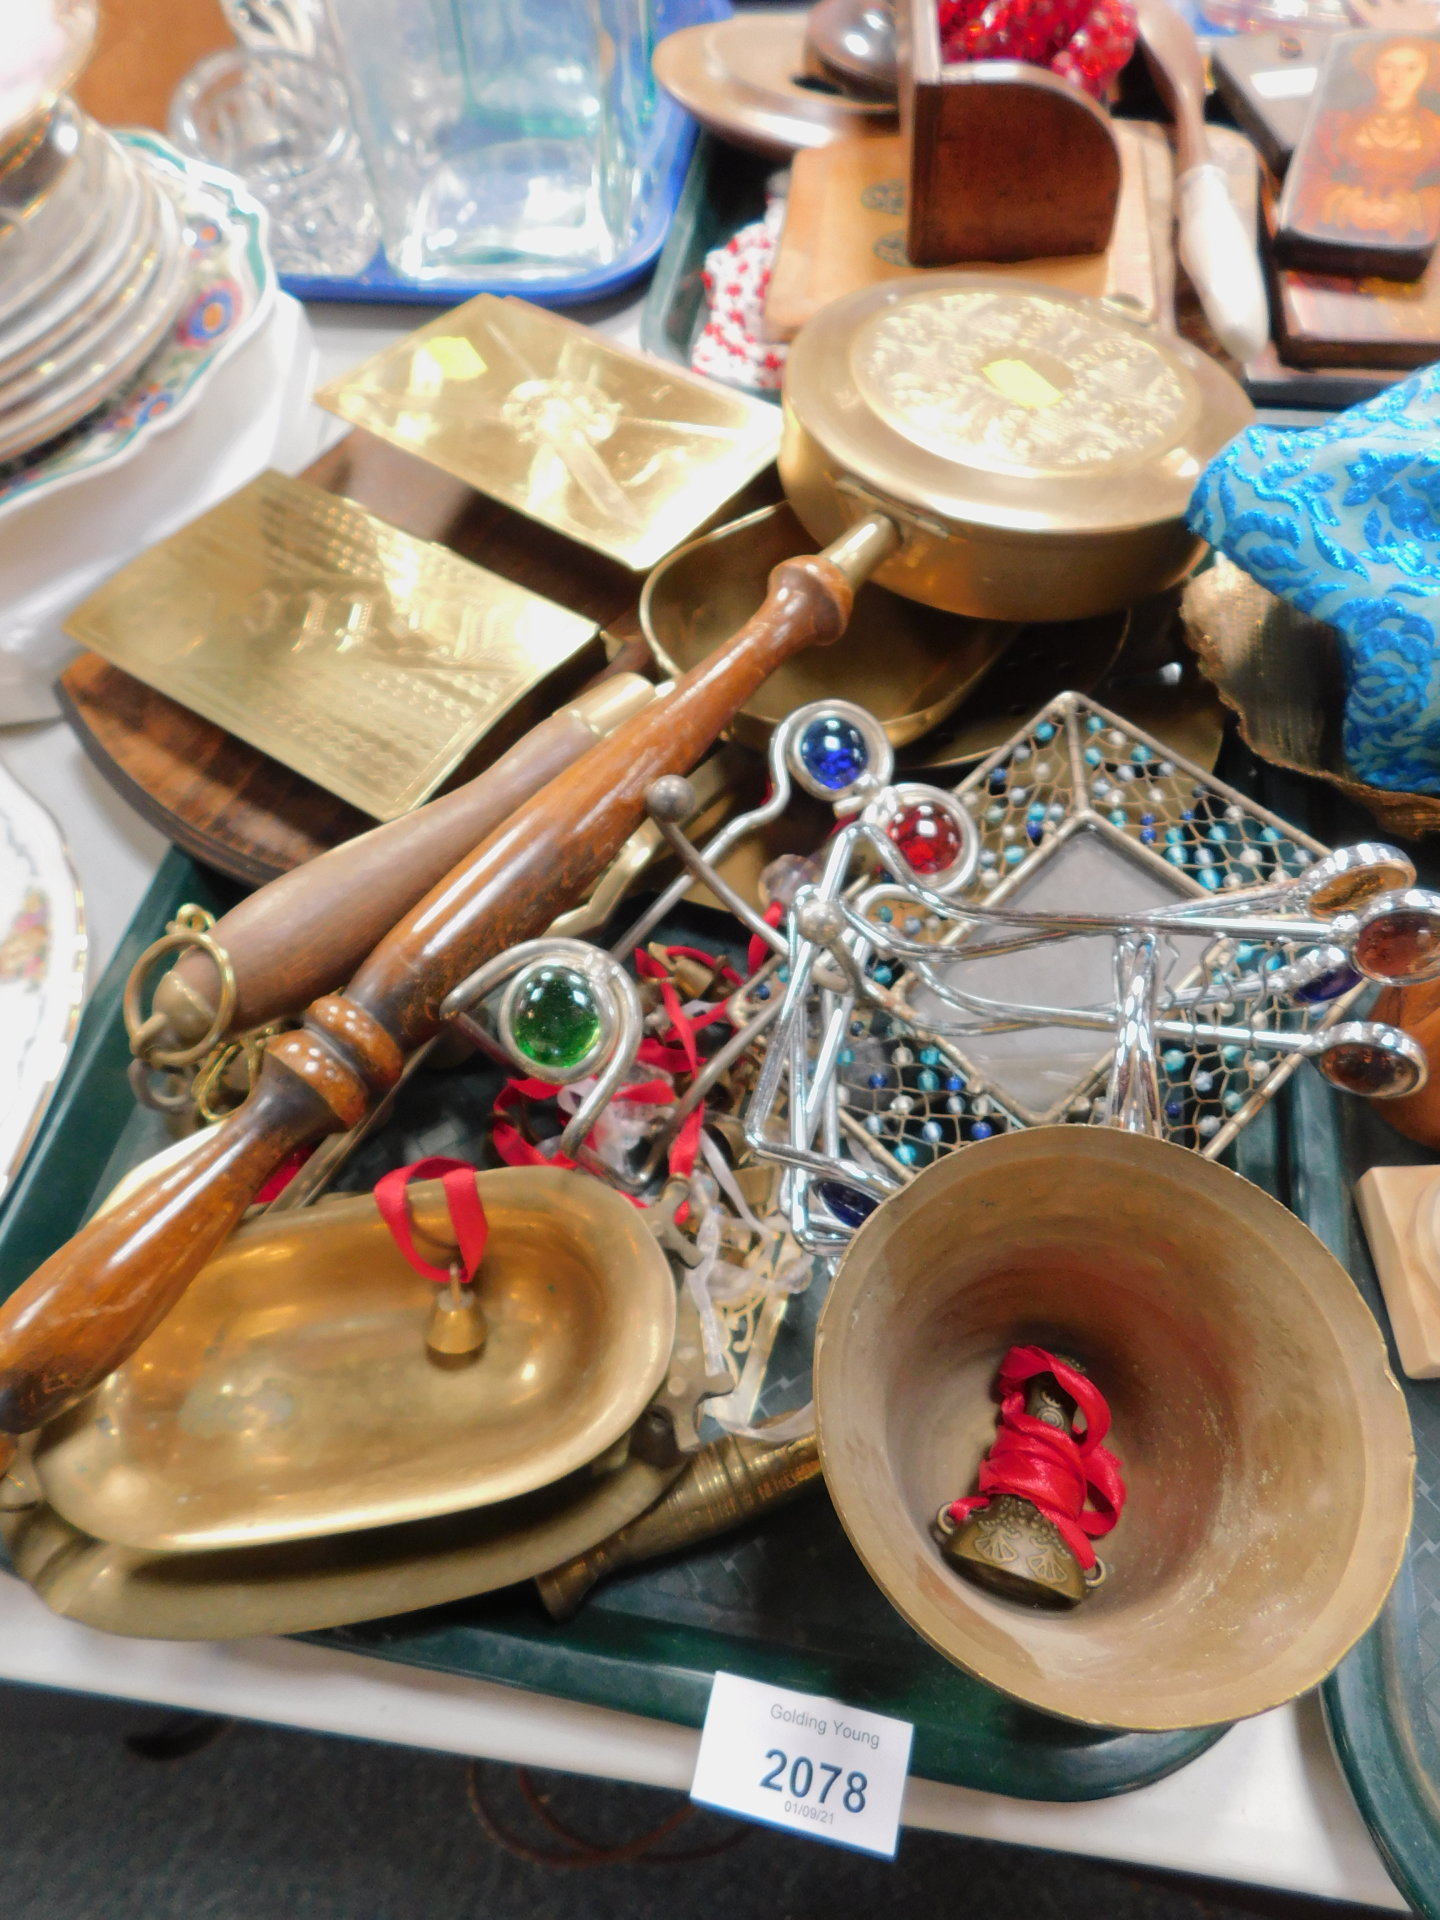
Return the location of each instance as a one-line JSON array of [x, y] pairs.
[[1373, 155]]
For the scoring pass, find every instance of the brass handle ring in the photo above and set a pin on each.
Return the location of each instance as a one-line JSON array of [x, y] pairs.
[[190, 928]]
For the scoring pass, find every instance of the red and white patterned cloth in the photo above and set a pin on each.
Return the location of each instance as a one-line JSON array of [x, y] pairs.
[[1084, 41], [736, 276]]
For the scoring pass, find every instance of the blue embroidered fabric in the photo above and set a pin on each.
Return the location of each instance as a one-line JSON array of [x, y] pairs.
[[1343, 521]]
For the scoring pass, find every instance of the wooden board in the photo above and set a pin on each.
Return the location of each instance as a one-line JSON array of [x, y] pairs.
[[242, 812]]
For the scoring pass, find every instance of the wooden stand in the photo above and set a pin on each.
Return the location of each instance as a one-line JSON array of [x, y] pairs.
[[1004, 161]]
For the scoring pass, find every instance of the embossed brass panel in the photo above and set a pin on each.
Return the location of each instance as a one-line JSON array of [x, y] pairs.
[[290, 1393], [619, 452], [364, 658]]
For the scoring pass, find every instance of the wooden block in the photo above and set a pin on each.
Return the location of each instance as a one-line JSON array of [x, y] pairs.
[[1004, 161], [845, 228], [1400, 1208], [1362, 194], [1322, 320]]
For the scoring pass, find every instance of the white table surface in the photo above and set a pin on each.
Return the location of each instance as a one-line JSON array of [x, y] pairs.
[[1266, 1805]]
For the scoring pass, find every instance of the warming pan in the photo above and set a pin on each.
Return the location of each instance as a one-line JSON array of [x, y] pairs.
[[1031, 452], [290, 1393], [1265, 1443]]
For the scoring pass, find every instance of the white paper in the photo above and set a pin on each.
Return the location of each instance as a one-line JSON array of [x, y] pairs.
[[1285, 83], [804, 1763]]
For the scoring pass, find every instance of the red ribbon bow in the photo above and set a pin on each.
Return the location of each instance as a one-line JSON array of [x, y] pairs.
[[1073, 1480], [467, 1213]]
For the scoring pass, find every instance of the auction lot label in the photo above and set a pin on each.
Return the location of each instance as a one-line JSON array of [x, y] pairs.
[[809, 1765]]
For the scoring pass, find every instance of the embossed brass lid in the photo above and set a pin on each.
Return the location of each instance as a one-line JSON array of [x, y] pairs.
[[617, 451], [1010, 407], [368, 660]]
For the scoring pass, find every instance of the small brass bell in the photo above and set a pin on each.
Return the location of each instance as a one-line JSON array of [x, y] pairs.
[[1009, 1546], [457, 1329]]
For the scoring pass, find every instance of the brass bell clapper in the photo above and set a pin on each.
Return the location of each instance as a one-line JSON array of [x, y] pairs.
[[456, 1333], [1047, 1488]]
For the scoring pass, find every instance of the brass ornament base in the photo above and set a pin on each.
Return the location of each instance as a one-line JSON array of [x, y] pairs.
[[1279, 671]]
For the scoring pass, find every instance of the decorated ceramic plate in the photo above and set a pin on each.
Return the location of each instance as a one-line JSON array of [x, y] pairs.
[[231, 286], [42, 966]]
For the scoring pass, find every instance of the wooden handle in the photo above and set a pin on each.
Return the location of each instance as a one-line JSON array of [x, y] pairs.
[[93, 1302], [305, 933], [1173, 55]]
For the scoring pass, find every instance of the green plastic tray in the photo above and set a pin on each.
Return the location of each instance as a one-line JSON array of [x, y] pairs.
[[1383, 1701], [784, 1600]]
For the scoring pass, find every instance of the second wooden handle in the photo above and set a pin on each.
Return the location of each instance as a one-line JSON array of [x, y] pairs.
[[305, 933]]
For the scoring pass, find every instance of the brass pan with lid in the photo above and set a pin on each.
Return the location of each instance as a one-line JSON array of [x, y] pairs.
[[1014, 452]]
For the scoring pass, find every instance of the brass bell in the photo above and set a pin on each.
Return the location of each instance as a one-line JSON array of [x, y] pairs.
[[1009, 1546], [457, 1329]]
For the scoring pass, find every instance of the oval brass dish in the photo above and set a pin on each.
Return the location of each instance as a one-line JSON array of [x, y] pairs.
[[301, 1586], [909, 665], [1037, 449], [1265, 1444], [290, 1392]]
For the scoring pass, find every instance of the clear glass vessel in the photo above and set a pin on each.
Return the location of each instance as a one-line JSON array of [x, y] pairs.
[[501, 134], [283, 124]]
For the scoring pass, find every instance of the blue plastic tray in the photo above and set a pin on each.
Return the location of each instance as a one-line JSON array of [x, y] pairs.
[[666, 155]]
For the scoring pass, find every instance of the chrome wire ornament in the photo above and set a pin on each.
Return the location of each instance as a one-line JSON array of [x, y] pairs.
[[906, 1028], [567, 1010], [953, 964]]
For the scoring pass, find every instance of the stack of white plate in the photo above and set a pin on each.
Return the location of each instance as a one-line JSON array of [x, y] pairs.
[[93, 269]]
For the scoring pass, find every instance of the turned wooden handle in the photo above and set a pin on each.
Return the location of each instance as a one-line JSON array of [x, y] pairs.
[[305, 933], [92, 1303]]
